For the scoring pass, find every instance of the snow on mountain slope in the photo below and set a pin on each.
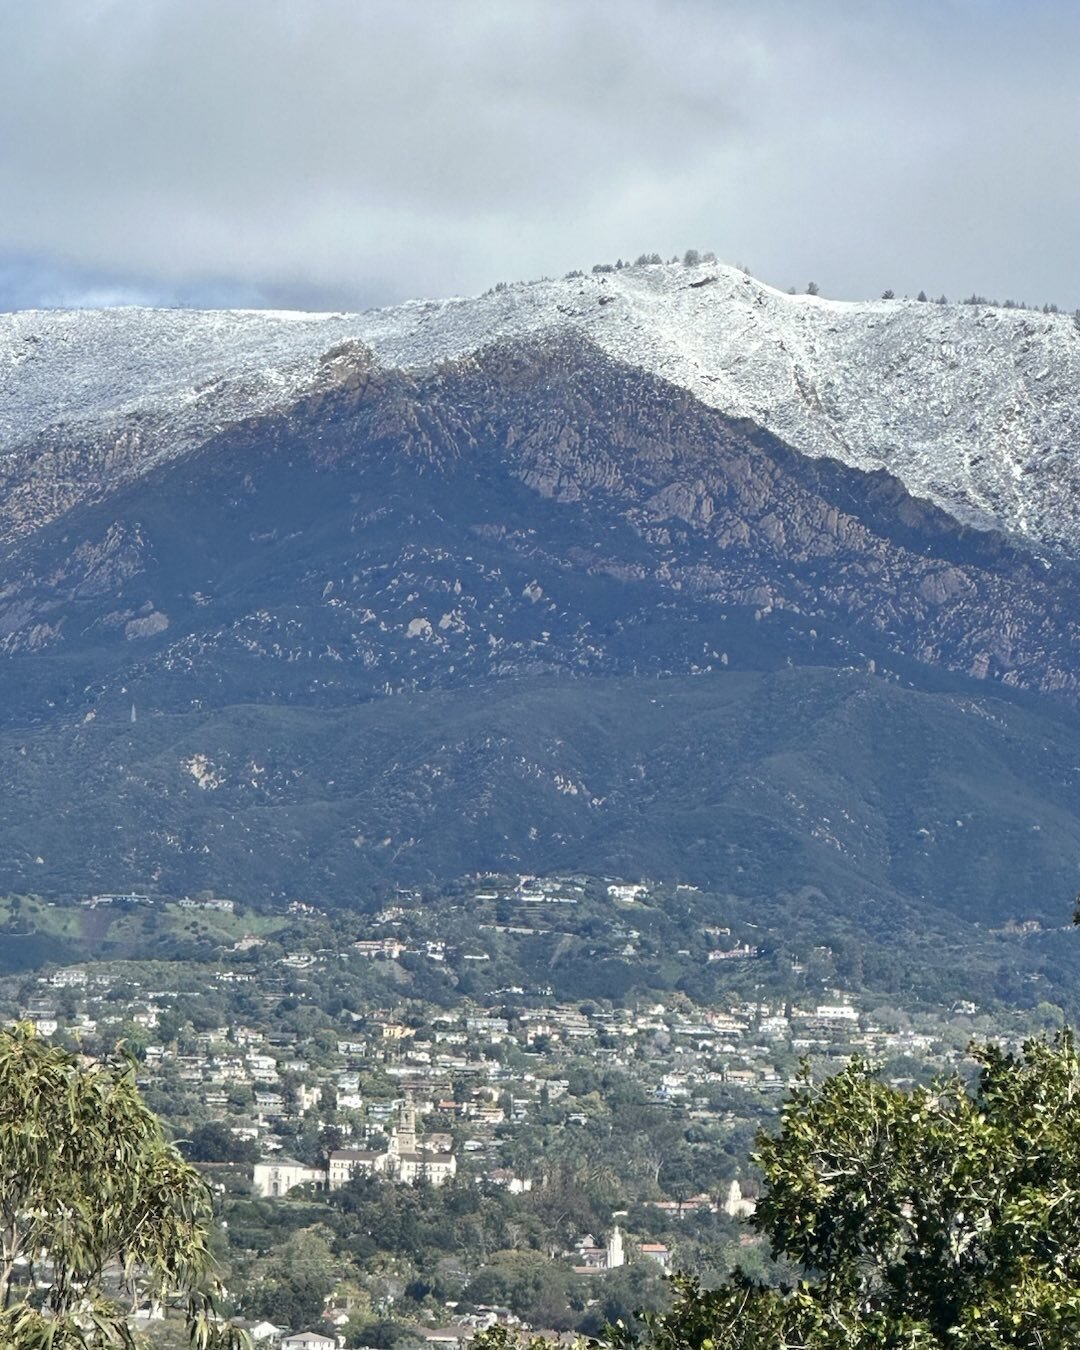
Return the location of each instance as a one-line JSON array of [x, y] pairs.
[[971, 406], [71, 367]]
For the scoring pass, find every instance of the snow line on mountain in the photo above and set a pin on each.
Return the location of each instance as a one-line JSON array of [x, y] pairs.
[[971, 406]]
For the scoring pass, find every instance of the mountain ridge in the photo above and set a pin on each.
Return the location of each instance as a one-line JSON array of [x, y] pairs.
[[526, 605], [970, 406], [572, 465], [532, 608]]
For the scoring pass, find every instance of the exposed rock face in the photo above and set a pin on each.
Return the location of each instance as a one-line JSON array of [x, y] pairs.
[[970, 406], [413, 621], [676, 500], [722, 512], [147, 625]]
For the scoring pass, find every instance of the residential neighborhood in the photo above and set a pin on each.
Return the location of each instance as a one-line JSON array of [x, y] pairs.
[[472, 1050]]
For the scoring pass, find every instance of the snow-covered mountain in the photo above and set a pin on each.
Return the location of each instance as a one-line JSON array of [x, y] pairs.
[[971, 406], [486, 592]]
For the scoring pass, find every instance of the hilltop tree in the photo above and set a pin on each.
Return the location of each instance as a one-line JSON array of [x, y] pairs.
[[941, 1217], [90, 1191]]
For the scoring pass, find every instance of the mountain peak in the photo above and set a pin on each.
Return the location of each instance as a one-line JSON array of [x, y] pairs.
[[970, 406]]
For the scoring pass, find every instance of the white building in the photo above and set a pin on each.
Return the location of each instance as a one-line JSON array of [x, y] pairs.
[[627, 892], [404, 1159], [67, 978], [308, 1340], [736, 1205], [658, 1252], [420, 1165], [346, 1163], [280, 1176], [265, 1331]]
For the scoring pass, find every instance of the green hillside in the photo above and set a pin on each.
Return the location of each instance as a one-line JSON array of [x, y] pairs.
[[876, 795]]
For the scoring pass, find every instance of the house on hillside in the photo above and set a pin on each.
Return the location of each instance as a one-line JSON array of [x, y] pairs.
[[277, 1178], [346, 1163], [308, 1340], [504, 1176], [448, 1338], [263, 1331], [593, 1258]]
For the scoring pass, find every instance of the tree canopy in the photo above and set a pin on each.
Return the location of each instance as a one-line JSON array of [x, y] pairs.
[[98, 1212], [946, 1216]]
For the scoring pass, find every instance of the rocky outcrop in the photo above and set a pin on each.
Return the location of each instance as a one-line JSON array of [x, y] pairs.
[[971, 406], [566, 464], [526, 609]]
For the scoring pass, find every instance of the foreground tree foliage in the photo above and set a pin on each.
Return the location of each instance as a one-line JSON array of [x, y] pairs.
[[97, 1212], [941, 1217]]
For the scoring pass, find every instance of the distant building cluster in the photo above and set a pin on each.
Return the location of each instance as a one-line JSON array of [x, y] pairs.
[[404, 1159]]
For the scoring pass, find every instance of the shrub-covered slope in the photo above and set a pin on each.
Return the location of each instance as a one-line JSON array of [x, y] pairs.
[[535, 610]]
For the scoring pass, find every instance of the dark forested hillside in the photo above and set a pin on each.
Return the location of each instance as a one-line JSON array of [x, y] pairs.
[[533, 609]]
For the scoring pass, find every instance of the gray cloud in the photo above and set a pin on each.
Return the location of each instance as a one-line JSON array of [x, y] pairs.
[[340, 153]]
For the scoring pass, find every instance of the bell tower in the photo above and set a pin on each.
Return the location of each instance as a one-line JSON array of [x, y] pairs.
[[405, 1135]]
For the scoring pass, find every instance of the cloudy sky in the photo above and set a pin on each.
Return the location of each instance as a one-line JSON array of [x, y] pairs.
[[347, 153]]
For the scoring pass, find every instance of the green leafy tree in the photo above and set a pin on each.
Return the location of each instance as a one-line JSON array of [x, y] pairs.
[[298, 1281], [947, 1216], [215, 1142], [97, 1211]]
